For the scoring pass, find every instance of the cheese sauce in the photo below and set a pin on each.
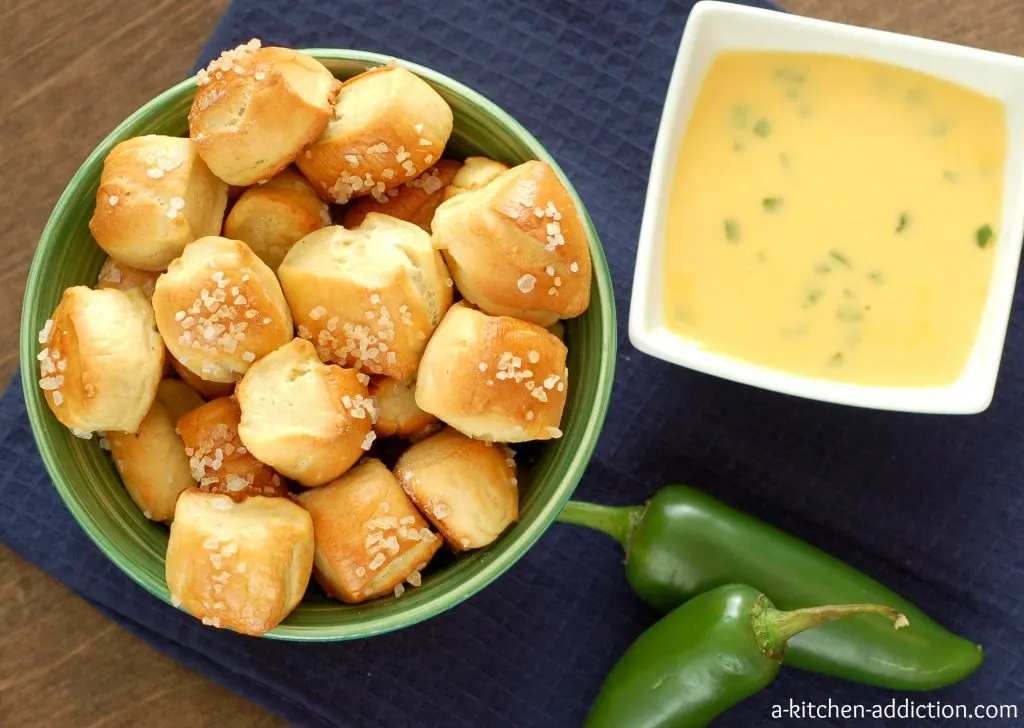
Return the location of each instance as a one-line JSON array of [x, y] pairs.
[[835, 217]]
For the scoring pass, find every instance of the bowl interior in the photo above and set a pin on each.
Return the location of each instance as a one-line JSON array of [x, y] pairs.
[[85, 477]]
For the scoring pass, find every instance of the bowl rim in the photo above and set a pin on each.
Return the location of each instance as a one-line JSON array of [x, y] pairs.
[[973, 390], [496, 564]]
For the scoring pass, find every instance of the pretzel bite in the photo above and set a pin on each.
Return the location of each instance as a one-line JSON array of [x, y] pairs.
[[123, 277], [397, 413], [414, 201], [270, 218], [368, 298], [219, 460], [238, 565], [256, 109], [389, 125], [152, 462], [155, 197], [369, 536], [101, 360], [474, 174], [219, 308], [309, 420], [493, 377], [465, 487], [517, 246]]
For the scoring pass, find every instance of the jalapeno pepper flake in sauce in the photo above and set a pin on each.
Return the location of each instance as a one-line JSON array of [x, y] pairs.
[[984, 236], [762, 128], [951, 176], [903, 222], [939, 128], [771, 204], [790, 74], [732, 230], [839, 257], [916, 95]]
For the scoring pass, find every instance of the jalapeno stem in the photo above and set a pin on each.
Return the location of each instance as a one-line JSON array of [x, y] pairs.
[[774, 628], [618, 522]]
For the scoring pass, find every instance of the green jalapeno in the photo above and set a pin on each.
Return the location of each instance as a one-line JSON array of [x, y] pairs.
[[684, 542], [709, 654]]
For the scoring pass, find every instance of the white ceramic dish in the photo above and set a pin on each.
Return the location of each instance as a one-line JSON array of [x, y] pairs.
[[718, 26]]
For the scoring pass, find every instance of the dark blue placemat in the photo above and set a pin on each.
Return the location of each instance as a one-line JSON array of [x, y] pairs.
[[929, 505]]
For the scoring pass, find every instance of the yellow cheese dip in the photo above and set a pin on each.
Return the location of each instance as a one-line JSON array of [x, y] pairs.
[[835, 217]]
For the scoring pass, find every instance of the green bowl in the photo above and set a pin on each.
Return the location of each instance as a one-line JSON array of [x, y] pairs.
[[86, 479]]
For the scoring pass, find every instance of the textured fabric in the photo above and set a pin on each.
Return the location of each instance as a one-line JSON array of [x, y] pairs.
[[930, 505]]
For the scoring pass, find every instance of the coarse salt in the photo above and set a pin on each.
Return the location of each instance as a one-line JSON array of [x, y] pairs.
[[44, 334]]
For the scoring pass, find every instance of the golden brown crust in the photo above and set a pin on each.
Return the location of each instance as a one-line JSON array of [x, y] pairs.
[[219, 460], [241, 566], [494, 377], [219, 308], [517, 246], [388, 126], [210, 390], [100, 360], [257, 109], [367, 298], [474, 174], [123, 277], [414, 201], [155, 196], [465, 487], [397, 413], [152, 462], [369, 536], [270, 218], [309, 420]]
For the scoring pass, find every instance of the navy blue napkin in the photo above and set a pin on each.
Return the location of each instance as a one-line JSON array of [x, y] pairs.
[[929, 505]]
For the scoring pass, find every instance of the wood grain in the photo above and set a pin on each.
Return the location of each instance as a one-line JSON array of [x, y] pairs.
[[70, 72]]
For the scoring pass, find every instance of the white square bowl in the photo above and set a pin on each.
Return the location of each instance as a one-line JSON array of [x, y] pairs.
[[718, 26]]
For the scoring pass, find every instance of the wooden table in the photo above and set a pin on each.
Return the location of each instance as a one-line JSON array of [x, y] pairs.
[[70, 72]]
